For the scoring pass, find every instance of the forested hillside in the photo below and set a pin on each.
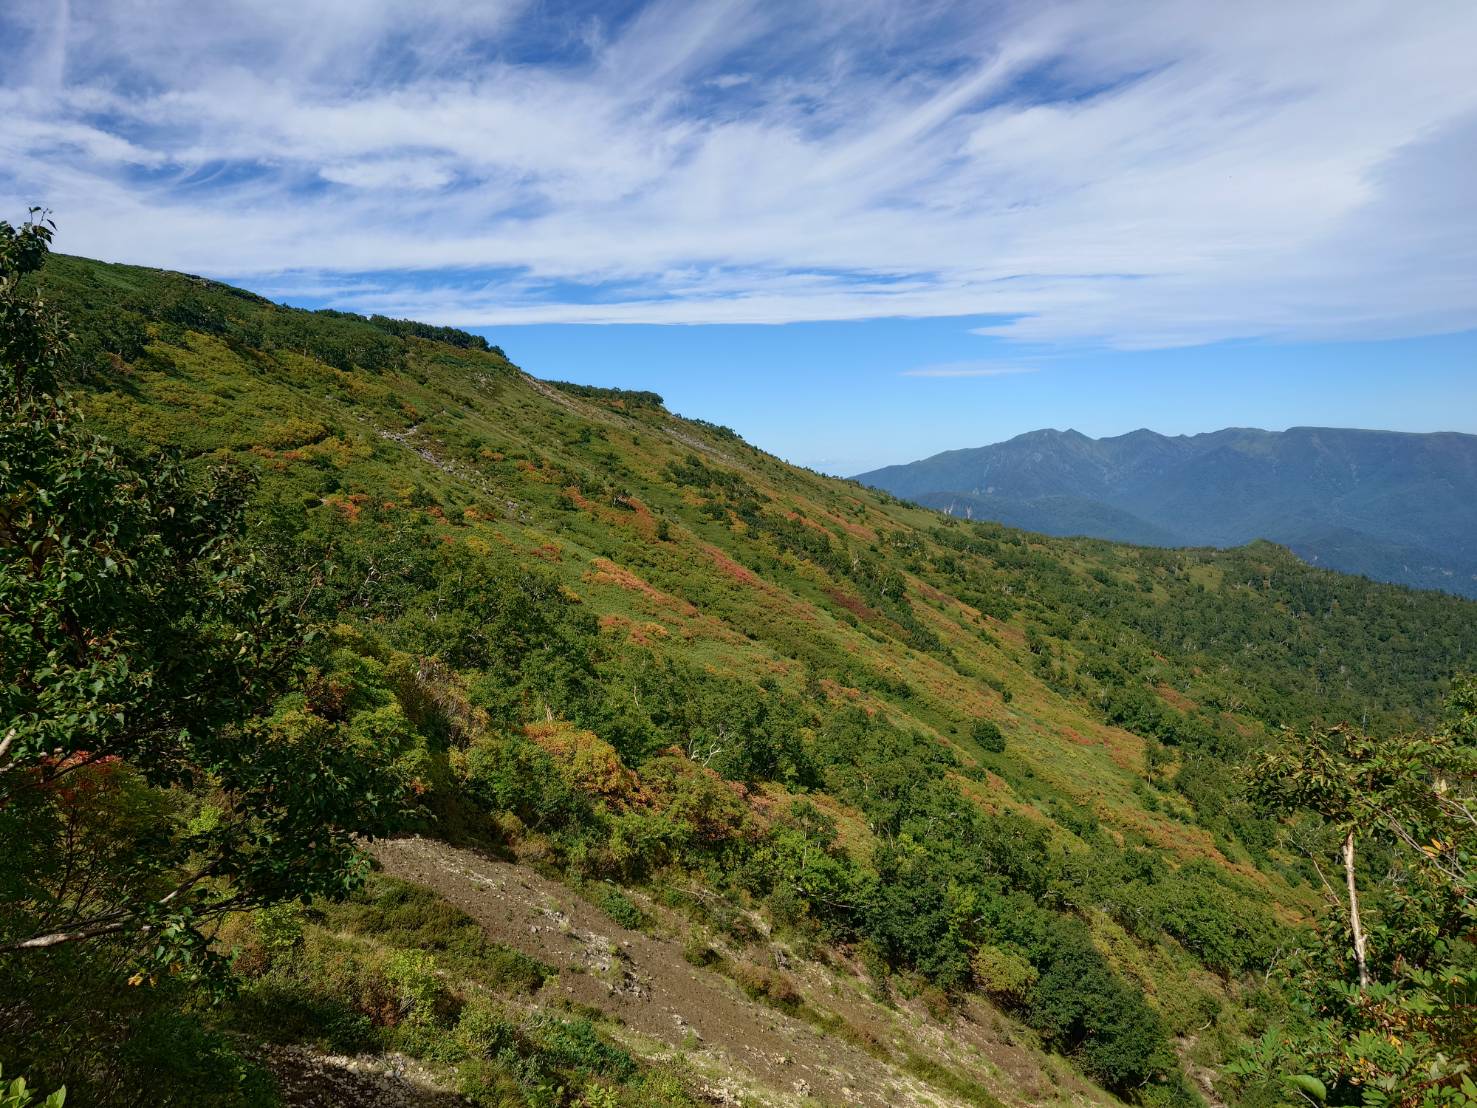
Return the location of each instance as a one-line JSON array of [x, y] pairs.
[[1389, 505], [318, 575]]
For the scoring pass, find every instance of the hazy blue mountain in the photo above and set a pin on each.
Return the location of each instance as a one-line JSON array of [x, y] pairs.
[[1390, 505]]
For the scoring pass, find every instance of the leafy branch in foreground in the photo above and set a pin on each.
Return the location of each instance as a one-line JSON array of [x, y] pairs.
[[147, 787], [1385, 1007], [18, 1094]]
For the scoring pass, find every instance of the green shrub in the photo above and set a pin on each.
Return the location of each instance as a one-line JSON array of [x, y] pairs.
[[507, 1063], [514, 774], [174, 1053], [576, 1045], [1084, 1009], [695, 948], [483, 1031], [506, 970], [279, 929], [618, 907], [399, 913], [987, 734], [768, 985], [1227, 932], [281, 1008], [488, 1084], [1003, 975], [421, 992]]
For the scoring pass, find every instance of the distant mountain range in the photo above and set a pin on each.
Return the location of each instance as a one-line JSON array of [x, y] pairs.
[[1389, 505]]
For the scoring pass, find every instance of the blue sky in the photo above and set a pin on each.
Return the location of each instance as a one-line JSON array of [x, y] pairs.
[[857, 231], [839, 397]]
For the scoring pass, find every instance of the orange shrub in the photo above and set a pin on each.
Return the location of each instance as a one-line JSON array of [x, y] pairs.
[[589, 763]]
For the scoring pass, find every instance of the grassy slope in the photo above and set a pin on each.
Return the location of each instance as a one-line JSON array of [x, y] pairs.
[[584, 484]]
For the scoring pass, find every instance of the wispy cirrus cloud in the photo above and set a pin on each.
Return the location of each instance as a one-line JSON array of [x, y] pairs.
[[1137, 173], [967, 369]]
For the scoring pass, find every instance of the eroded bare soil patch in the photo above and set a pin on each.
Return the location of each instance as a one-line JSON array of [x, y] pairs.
[[749, 1052]]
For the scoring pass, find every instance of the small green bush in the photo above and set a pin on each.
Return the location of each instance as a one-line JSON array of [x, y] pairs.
[[174, 1051], [695, 949], [279, 930], [576, 1045], [421, 991], [1003, 975], [485, 1082], [770, 986], [987, 733], [618, 907], [279, 1008], [511, 971], [484, 1032]]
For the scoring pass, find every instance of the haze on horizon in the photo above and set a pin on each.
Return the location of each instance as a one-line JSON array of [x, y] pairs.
[[889, 230]]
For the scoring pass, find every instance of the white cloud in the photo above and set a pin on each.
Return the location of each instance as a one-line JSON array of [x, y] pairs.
[[1142, 173], [414, 174]]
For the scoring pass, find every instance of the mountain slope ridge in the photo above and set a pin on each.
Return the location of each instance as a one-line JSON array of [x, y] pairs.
[[1396, 506], [893, 669]]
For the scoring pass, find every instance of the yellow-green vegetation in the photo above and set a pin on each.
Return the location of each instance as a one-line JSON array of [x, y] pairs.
[[568, 622]]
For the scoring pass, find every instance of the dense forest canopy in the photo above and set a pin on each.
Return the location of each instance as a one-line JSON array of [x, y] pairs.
[[274, 579]]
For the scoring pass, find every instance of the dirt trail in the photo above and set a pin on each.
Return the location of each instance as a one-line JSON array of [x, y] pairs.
[[766, 1054], [308, 1079]]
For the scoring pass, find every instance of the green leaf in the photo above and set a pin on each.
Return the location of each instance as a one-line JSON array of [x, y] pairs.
[[1308, 1085]]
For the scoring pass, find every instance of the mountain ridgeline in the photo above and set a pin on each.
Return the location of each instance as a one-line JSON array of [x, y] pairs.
[[692, 777], [1388, 505]]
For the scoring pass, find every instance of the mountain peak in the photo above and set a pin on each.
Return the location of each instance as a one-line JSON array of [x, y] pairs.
[[1393, 505]]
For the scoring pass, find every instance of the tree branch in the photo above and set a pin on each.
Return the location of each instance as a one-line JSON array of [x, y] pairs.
[[1333, 897], [119, 921], [57, 938], [1356, 928]]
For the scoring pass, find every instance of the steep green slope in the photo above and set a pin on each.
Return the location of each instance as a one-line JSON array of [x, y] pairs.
[[974, 759]]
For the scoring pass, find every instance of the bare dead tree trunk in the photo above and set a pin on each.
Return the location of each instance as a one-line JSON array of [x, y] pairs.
[[1356, 928], [57, 938]]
